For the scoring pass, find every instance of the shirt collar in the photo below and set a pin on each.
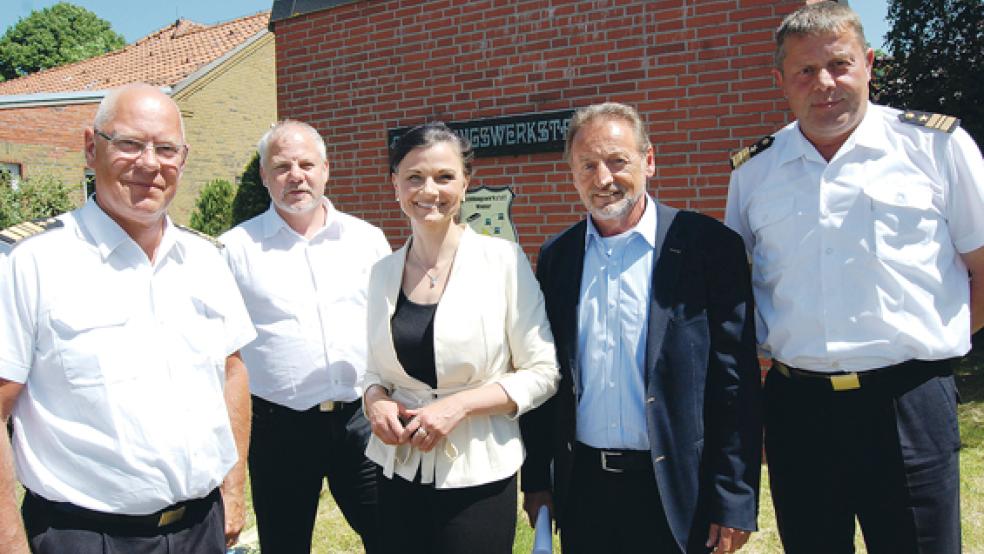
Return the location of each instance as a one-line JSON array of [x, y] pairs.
[[273, 223], [108, 235], [645, 227], [868, 134]]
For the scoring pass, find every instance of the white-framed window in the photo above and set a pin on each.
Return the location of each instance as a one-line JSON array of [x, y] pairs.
[[89, 183], [14, 170]]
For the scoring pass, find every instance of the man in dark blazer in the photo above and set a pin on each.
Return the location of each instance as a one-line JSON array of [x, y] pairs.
[[653, 441]]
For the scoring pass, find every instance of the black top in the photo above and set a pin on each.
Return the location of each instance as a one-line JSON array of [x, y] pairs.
[[413, 337]]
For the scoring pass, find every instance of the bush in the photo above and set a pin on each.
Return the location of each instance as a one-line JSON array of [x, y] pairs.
[[213, 209], [36, 197], [252, 197]]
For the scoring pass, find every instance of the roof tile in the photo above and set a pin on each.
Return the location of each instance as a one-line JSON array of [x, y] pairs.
[[162, 58]]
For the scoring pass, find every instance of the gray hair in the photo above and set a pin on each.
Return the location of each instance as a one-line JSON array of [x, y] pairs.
[[607, 110], [819, 18], [106, 112], [282, 126]]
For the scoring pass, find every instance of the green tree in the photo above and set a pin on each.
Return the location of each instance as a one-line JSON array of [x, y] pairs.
[[937, 56], [60, 34], [213, 209], [35, 197], [252, 198]]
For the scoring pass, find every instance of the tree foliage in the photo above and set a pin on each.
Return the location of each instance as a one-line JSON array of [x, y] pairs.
[[213, 209], [60, 34], [35, 197], [937, 56], [252, 197]]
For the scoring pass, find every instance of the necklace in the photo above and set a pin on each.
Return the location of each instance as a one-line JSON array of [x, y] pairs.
[[437, 271], [433, 278]]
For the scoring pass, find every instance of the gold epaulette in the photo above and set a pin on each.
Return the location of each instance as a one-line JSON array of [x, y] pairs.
[[937, 121], [215, 242], [16, 233], [750, 152]]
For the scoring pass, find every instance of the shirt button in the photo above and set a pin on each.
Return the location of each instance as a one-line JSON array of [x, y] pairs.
[[612, 425], [829, 251], [835, 365], [900, 198], [611, 384]]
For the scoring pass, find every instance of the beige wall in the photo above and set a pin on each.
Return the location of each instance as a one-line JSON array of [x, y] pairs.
[[225, 113]]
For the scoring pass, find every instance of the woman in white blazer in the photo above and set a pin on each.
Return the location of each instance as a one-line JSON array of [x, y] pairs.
[[459, 347]]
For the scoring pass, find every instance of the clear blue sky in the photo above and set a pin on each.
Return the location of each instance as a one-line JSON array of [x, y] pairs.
[[136, 19]]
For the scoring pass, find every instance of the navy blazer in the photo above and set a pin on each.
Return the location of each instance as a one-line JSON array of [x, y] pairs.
[[703, 410]]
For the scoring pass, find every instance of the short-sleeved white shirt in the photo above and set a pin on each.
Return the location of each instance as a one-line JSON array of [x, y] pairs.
[[123, 363], [855, 262], [307, 298]]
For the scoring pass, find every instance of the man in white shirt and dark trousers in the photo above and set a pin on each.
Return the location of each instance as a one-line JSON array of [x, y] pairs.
[[119, 339], [303, 267], [862, 224]]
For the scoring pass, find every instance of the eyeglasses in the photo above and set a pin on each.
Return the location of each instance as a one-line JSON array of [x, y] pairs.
[[166, 152]]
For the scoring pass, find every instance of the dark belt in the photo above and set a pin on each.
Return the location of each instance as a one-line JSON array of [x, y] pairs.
[[328, 406], [614, 460], [189, 509], [869, 378]]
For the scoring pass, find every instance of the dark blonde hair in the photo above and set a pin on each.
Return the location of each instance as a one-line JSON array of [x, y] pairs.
[[817, 19]]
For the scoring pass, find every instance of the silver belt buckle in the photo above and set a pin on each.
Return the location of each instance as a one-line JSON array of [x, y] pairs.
[[327, 406], [604, 461]]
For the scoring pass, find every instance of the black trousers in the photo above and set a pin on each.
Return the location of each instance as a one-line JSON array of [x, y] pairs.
[[614, 512], [54, 531], [887, 454], [420, 519], [290, 455]]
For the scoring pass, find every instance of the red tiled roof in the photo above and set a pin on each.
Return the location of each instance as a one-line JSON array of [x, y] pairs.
[[162, 58]]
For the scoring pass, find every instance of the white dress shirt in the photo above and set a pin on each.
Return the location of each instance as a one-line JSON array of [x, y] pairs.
[[307, 298], [490, 327], [613, 323], [855, 262], [124, 364]]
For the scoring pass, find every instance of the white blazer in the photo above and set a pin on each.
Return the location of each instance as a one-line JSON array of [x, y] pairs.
[[490, 327]]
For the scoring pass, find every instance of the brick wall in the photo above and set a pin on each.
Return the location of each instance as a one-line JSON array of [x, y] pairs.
[[698, 70], [47, 139], [225, 113]]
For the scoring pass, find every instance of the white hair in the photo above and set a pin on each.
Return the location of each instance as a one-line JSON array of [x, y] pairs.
[[107, 107], [280, 127]]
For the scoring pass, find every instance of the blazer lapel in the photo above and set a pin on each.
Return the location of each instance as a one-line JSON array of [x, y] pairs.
[[666, 269], [567, 273]]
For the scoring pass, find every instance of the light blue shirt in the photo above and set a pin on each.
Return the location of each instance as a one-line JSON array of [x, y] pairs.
[[613, 320]]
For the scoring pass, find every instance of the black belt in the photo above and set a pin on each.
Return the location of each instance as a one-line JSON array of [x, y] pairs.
[[189, 509], [869, 378], [614, 460], [328, 406]]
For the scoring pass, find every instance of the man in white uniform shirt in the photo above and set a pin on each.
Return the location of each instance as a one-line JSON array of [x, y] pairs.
[[119, 339], [862, 224], [303, 267]]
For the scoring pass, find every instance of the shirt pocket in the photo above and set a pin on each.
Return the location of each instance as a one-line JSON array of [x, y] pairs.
[[904, 222], [773, 223], [92, 344], [204, 333]]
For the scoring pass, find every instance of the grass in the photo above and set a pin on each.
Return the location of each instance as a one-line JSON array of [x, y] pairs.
[[332, 534]]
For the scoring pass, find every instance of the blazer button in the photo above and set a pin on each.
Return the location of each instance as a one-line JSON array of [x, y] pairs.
[[650, 400], [659, 459], [569, 447]]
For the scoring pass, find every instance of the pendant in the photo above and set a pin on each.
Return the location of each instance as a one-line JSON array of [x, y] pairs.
[[433, 280]]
